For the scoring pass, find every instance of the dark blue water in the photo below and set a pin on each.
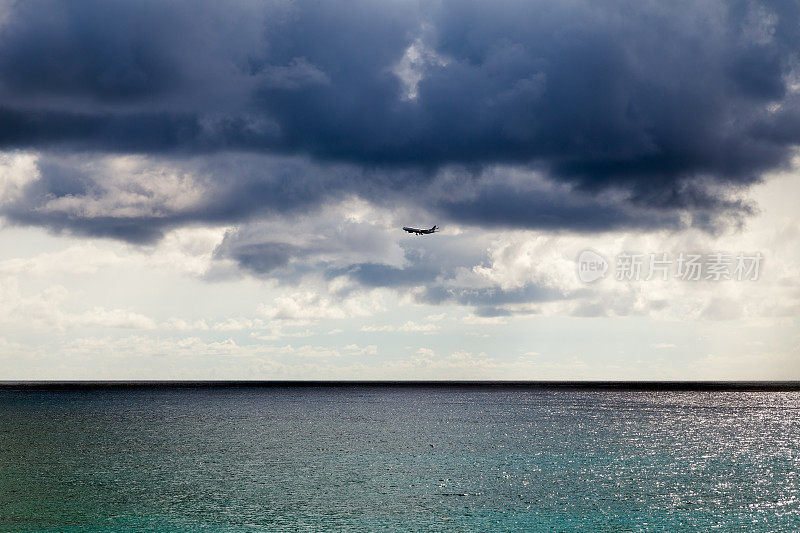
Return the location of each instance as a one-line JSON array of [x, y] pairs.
[[398, 458]]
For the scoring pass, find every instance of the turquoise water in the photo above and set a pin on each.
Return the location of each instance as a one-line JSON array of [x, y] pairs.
[[306, 459]]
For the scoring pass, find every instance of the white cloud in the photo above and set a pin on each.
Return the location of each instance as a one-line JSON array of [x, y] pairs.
[[419, 56], [185, 250], [108, 318], [426, 328], [309, 307], [239, 324], [44, 310], [355, 349], [409, 326], [58, 291], [375, 329], [518, 258], [483, 320], [17, 169], [180, 324], [129, 186], [85, 258]]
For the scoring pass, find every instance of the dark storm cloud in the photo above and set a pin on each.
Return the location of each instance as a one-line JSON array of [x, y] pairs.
[[489, 298], [89, 194], [501, 206], [261, 258], [670, 105]]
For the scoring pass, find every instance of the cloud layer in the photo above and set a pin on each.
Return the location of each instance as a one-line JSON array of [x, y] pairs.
[[618, 108], [312, 131]]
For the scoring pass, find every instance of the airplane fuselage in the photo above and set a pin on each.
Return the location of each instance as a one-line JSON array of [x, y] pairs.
[[419, 231]]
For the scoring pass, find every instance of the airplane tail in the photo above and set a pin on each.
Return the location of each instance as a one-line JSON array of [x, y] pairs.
[[434, 228]]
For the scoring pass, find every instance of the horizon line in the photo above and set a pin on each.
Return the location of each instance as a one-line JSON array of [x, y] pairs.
[[678, 385]]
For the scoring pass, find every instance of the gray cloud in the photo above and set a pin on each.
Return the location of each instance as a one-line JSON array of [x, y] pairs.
[[573, 116], [430, 270]]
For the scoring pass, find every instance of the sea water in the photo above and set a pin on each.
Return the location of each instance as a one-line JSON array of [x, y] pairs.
[[407, 458]]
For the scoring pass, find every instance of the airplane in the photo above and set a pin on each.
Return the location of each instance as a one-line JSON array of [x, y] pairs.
[[421, 231]]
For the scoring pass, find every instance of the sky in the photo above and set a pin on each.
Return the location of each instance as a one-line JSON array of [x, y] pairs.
[[207, 190]]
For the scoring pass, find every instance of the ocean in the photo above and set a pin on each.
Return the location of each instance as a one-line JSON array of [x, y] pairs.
[[381, 458]]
